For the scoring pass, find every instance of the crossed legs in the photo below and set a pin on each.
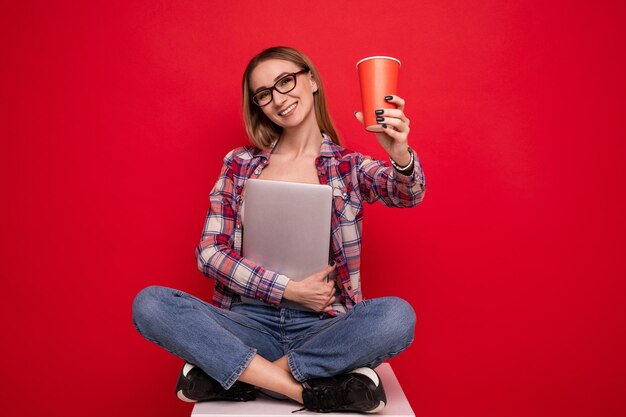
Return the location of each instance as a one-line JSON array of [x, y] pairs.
[[219, 341], [274, 376]]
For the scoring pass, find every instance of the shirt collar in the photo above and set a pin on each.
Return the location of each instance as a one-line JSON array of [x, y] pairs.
[[267, 152], [328, 148]]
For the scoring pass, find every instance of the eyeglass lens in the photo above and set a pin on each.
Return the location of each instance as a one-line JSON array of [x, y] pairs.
[[284, 85]]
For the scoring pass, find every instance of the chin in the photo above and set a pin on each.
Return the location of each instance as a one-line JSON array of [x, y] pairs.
[[288, 123]]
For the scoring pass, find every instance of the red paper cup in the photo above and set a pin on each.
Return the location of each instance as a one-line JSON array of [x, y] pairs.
[[378, 76]]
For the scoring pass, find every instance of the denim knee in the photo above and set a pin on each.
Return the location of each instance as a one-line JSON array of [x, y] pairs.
[[147, 305], [398, 321]]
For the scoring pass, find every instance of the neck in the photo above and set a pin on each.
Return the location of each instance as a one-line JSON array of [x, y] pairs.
[[304, 141]]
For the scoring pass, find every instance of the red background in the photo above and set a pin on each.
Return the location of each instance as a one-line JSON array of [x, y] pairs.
[[115, 119]]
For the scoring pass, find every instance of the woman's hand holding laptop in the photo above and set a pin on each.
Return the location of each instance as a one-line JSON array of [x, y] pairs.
[[314, 292]]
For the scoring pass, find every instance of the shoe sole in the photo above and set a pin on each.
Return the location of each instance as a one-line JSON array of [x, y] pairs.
[[185, 371], [368, 372], [373, 376], [377, 409], [187, 368], [182, 397]]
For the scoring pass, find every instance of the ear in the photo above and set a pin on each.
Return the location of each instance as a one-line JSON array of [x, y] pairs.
[[313, 83]]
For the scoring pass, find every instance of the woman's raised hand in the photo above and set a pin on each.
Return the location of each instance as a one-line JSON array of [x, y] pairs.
[[394, 138], [314, 292]]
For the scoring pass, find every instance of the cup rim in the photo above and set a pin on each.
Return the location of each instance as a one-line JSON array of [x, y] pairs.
[[381, 57]]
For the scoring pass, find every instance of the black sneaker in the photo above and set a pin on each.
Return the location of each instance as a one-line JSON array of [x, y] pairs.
[[360, 390], [195, 385]]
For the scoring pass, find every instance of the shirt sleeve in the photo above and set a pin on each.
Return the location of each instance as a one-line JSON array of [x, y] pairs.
[[380, 181], [216, 256]]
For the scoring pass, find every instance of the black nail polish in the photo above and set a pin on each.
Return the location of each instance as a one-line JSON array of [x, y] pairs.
[[379, 111], [384, 126], [388, 98], [332, 263], [380, 119]]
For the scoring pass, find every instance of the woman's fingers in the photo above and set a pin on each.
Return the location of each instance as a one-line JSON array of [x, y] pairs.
[[359, 116], [324, 272], [329, 305], [395, 134], [319, 293], [396, 124], [398, 101], [397, 113], [393, 113], [331, 290]]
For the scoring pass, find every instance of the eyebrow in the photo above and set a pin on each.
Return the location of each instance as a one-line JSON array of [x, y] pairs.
[[278, 77]]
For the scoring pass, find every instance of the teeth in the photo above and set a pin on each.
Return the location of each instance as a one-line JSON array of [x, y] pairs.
[[288, 109]]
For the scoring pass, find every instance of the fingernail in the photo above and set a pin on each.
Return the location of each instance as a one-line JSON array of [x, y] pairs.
[[332, 263], [354, 114], [384, 126], [388, 98], [380, 119], [379, 111]]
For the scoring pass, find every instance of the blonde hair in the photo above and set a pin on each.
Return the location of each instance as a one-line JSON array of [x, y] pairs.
[[261, 130]]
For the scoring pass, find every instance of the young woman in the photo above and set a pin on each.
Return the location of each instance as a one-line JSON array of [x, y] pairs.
[[323, 354]]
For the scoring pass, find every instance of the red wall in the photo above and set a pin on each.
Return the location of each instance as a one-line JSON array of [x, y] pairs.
[[115, 119]]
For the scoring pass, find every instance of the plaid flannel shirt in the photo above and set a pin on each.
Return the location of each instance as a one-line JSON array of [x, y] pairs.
[[355, 178]]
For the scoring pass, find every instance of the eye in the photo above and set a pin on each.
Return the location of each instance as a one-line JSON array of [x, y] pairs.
[[286, 82], [263, 95]]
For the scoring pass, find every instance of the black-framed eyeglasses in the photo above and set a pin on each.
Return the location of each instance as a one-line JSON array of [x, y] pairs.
[[284, 85]]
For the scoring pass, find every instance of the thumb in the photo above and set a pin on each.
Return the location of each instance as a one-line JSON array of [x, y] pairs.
[[359, 116], [327, 270]]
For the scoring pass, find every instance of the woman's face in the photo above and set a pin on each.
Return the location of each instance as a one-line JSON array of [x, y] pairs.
[[290, 109]]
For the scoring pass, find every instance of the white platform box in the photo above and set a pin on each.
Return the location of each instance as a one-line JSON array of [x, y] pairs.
[[397, 404]]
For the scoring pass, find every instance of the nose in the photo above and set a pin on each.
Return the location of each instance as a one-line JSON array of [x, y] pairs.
[[278, 98]]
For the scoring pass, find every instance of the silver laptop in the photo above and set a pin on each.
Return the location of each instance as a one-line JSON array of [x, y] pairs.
[[286, 226]]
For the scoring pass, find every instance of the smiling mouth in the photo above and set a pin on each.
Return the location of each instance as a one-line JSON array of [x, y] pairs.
[[289, 109]]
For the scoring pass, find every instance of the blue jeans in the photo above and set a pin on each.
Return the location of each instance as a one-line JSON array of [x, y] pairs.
[[223, 342]]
